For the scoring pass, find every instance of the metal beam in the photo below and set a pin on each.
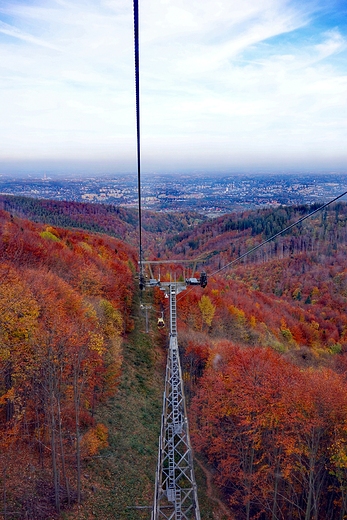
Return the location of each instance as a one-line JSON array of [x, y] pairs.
[[175, 495], [192, 262]]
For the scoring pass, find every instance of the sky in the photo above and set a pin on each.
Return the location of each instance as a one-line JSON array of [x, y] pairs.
[[225, 85]]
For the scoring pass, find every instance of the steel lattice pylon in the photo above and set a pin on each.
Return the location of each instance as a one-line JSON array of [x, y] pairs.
[[175, 495]]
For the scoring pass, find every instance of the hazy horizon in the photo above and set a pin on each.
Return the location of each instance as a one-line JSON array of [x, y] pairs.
[[40, 172]]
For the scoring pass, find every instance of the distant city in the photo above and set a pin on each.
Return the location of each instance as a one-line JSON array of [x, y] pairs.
[[210, 195]]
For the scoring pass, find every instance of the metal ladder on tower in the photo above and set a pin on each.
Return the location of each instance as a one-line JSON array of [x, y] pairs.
[[175, 496], [173, 310]]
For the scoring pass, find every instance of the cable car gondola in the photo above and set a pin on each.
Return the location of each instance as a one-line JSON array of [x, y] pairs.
[[202, 281], [161, 322]]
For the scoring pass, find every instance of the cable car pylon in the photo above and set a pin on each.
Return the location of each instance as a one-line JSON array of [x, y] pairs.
[[175, 496]]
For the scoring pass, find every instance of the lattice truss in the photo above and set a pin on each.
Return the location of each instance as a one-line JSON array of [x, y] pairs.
[[175, 489]]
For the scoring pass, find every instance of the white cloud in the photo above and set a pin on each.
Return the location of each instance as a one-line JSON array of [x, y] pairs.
[[217, 79], [9, 30], [334, 43]]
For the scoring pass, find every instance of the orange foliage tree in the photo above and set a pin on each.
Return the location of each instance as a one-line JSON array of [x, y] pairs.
[[63, 310], [275, 435]]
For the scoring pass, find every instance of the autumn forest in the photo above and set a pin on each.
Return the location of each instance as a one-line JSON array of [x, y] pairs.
[[263, 350]]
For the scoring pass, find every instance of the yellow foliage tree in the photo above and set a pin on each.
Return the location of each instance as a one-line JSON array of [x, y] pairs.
[[207, 310], [94, 440], [19, 312], [238, 313]]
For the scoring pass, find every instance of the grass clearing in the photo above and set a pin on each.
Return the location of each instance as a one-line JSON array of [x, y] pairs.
[[122, 476]]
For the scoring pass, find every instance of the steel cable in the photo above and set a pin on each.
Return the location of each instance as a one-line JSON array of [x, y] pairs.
[[138, 135]]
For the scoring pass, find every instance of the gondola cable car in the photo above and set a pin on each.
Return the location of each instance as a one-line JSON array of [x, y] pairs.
[[161, 322]]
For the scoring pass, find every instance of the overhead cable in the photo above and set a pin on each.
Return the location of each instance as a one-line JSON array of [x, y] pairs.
[[137, 93], [278, 234]]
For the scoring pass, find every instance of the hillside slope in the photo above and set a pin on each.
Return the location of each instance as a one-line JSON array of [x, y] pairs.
[[264, 351], [223, 239], [65, 302], [264, 355], [101, 218], [80, 382]]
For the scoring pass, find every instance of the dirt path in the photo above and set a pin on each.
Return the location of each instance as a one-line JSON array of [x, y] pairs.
[[223, 513]]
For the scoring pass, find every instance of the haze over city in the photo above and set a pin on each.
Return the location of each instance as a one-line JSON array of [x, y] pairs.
[[225, 85]]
